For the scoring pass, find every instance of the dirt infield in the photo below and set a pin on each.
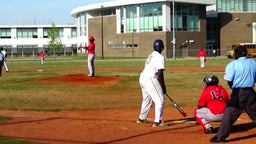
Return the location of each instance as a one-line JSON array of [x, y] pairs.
[[114, 126]]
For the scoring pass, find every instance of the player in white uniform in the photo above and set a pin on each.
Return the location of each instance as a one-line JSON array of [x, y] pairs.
[[5, 56], [153, 86]]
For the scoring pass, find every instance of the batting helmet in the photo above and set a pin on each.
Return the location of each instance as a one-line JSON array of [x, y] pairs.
[[211, 80], [158, 45]]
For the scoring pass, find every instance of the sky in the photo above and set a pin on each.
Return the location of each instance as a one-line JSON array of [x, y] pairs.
[[19, 12]]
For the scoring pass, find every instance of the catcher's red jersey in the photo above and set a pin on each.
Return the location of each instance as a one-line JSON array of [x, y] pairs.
[[214, 98]]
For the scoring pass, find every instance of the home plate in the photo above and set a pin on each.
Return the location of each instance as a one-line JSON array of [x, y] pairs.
[[40, 70]]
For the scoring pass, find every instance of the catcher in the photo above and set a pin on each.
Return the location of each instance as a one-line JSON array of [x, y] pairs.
[[211, 104]]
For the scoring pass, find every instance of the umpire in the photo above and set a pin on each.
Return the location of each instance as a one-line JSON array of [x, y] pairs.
[[241, 77]]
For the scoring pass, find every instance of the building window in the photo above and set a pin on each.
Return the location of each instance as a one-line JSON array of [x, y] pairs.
[[61, 32], [82, 24], [131, 15], [45, 32], [130, 45], [73, 33], [236, 5], [5, 33], [186, 17], [27, 33], [151, 17]]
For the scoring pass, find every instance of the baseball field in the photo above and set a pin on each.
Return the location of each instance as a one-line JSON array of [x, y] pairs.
[[57, 103]]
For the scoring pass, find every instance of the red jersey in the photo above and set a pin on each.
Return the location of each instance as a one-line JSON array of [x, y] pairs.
[[91, 48], [201, 53], [41, 54], [214, 98]]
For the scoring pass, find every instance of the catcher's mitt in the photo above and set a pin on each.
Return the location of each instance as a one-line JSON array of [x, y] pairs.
[[204, 60]]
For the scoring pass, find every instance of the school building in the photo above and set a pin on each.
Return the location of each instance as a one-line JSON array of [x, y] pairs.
[[29, 40], [128, 28]]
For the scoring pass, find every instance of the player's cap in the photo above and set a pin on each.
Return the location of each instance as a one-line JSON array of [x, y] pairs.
[[91, 38], [240, 50]]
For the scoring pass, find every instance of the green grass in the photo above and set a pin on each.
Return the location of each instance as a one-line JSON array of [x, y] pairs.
[[7, 140], [20, 90]]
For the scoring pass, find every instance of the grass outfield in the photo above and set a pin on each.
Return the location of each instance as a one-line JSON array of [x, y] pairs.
[[19, 90]]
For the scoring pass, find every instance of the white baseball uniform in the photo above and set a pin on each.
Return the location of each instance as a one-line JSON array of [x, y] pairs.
[[4, 62], [150, 86]]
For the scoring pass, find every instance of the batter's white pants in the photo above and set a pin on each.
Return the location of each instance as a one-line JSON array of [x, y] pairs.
[[202, 62], [151, 91], [91, 68], [204, 116]]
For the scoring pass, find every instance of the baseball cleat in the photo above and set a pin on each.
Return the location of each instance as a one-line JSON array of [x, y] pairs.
[[215, 139], [209, 130], [139, 121], [159, 124]]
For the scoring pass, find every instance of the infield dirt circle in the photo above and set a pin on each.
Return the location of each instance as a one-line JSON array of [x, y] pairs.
[[115, 126]]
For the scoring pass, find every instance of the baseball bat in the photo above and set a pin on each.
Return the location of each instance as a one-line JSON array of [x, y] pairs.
[[177, 106]]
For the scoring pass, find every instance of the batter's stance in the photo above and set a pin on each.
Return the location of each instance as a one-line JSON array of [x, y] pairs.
[[211, 104], [153, 86]]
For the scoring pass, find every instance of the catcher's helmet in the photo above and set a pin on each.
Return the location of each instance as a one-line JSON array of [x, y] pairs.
[[158, 45], [211, 80]]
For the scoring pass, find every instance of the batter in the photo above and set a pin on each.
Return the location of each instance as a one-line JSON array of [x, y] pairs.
[[153, 86]]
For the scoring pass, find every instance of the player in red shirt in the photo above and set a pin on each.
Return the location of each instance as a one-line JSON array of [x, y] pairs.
[[202, 57], [42, 55], [211, 104], [91, 56]]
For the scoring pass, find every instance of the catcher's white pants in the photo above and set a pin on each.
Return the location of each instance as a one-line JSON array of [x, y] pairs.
[[202, 61], [151, 91], [204, 116]]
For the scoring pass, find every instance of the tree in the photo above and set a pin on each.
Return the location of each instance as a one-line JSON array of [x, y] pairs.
[[54, 39]]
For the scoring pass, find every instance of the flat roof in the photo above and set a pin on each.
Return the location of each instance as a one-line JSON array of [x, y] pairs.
[[117, 3], [34, 26]]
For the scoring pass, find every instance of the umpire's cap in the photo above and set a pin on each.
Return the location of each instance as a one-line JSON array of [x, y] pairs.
[[240, 51]]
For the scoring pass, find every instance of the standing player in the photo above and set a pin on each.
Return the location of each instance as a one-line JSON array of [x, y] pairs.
[[42, 55], [91, 56], [153, 86], [211, 104], [1, 62], [202, 57], [240, 75], [4, 61]]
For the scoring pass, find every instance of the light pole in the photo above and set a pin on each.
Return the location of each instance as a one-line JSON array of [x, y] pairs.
[[173, 31], [102, 45]]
